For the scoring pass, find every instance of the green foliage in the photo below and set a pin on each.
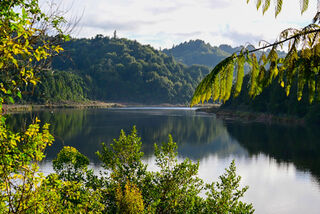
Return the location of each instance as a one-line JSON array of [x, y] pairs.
[[303, 65], [24, 48], [24, 51], [71, 196], [304, 4], [123, 158], [19, 177], [174, 188], [224, 197], [177, 186], [70, 164], [57, 86], [213, 85], [123, 70], [274, 100], [130, 200], [130, 188], [199, 52]]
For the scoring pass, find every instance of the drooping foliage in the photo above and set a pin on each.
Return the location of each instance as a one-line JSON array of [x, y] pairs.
[[301, 62], [265, 5], [273, 100]]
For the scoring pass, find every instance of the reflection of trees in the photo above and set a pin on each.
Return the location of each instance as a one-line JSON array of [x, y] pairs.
[[299, 145], [197, 135], [64, 125]]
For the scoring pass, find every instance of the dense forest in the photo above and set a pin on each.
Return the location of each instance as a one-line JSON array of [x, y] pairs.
[[274, 100], [199, 52], [57, 86], [118, 70], [122, 70]]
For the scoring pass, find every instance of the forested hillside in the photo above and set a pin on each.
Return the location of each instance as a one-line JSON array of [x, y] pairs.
[[122, 70], [199, 52], [57, 86], [274, 100]]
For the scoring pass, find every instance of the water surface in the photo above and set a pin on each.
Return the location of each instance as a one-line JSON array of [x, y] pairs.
[[281, 164]]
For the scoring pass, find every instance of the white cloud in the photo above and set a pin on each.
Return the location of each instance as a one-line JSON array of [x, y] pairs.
[[163, 23]]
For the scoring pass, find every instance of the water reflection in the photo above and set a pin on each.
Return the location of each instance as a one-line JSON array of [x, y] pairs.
[[273, 187], [281, 164], [290, 144], [197, 135]]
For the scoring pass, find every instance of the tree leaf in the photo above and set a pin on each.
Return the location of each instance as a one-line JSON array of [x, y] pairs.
[[258, 4], [304, 5], [240, 74], [278, 7], [266, 6]]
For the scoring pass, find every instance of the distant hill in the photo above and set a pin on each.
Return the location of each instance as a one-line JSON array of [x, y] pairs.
[[121, 70], [199, 52]]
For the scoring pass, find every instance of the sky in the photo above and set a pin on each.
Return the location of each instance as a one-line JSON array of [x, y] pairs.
[[164, 23]]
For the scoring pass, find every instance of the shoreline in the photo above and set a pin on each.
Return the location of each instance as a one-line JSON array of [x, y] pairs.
[[253, 117], [16, 108]]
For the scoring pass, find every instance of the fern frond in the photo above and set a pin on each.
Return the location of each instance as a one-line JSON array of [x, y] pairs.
[[301, 82], [216, 88], [261, 80], [229, 81], [311, 86], [290, 73], [223, 81], [218, 84], [209, 83], [304, 5], [240, 74], [258, 4], [266, 6], [254, 73], [278, 7]]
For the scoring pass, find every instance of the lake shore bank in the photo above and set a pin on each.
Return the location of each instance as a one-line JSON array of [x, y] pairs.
[[252, 117], [15, 108]]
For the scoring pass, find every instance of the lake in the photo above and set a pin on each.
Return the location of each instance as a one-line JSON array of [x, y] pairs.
[[281, 164]]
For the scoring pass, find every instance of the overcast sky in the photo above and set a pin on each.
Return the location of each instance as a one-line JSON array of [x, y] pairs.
[[162, 23]]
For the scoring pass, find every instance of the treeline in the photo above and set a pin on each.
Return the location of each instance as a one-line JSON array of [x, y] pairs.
[[199, 52], [121, 70], [57, 86], [273, 100]]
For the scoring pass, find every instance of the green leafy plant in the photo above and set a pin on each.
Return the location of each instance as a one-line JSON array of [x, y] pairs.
[[174, 188], [70, 164], [301, 63], [223, 196]]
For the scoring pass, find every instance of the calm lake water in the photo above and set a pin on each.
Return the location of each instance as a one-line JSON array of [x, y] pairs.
[[281, 164]]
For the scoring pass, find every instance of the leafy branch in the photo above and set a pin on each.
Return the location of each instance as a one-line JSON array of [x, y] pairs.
[[301, 62]]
